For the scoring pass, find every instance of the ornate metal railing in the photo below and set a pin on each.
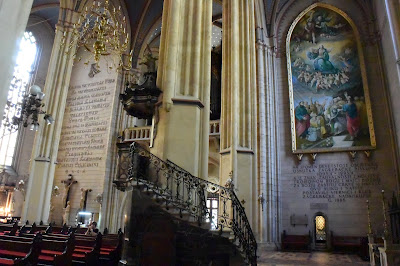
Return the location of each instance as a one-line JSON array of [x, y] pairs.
[[180, 190]]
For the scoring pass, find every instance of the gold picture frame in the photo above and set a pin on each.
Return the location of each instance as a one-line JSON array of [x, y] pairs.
[[313, 72]]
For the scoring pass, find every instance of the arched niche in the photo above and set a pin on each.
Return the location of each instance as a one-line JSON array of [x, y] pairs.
[[328, 88]]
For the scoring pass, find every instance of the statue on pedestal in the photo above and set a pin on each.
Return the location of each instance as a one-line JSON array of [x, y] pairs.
[[84, 194], [67, 210]]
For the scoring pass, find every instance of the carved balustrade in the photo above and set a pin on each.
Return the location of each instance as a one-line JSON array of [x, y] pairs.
[[215, 128]]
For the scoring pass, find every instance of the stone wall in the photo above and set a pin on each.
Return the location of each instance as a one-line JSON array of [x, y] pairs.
[[85, 149], [334, 184], [44, 35], [391, 67]]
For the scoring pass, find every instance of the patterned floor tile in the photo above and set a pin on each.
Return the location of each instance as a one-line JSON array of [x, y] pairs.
[[268, 258]]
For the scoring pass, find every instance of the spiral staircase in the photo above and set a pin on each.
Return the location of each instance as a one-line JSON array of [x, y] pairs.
[[171, 209]]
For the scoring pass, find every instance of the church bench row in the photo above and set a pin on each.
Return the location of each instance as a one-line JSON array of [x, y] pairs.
[[19, 251], [12, 229], [89, 256], [107, 247], [7, 228], [296, 242], [353, 244], [59, 249]]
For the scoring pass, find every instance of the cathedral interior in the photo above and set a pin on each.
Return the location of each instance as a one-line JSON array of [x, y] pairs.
[[200, 132]]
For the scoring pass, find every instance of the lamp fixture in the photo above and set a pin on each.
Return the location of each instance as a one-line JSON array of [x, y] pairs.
[[100, 33], [28, 111], [82, 213]]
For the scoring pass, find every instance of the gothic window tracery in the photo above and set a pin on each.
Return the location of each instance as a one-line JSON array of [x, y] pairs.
[[22, 79]]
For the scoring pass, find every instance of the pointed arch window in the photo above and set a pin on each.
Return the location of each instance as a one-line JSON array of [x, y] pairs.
[[22, 78]]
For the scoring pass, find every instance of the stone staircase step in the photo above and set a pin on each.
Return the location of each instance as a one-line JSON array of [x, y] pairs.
[[225, 240]]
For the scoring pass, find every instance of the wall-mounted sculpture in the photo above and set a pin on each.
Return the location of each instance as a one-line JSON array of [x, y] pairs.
[[67, 211], [67, 187], [84, 196], [54, 193]]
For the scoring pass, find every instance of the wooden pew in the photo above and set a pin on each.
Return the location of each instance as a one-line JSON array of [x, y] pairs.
[[14, 252], [110, 245], [347, 244], [57, 252], [111, 248], [8, 229], [86, 249], [296, 242], [53, 251]]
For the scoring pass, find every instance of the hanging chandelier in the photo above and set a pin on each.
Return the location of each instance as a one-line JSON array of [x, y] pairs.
[[28, 110], [100, 32]]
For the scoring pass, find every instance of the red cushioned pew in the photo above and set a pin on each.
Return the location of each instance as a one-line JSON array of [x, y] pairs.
[[88, 257], [14, 252], [52, 252], [106, 248], [110, 246], [8, 229]]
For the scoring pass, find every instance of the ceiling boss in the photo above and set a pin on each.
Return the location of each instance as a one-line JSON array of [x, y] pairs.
[[101, 34]]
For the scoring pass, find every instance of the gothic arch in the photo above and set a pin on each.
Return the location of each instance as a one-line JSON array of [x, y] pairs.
[[289, 12]]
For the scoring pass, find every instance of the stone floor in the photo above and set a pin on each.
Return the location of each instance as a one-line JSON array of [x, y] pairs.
[[271, 258]]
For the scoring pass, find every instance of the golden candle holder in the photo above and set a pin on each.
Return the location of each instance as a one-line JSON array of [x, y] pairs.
[[385, 226], [369, 219]]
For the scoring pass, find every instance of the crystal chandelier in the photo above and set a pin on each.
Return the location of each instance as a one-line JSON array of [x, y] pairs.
[[100, 33], [28, 111]]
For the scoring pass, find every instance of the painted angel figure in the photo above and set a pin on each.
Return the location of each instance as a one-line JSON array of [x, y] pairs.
[[309, 29], [321, 22]]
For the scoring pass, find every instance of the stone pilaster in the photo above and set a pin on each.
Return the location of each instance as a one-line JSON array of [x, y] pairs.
[[392, 9], [184, 77], [262, 76], [44, 155], [13, 19], [272, 202], [239, 103]]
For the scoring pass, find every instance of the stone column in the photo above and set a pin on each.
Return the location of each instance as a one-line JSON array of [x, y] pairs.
[[44, 155], [268, 155], [13, 19], [239, 103], [392, 10], [272, 202], [184, 77], [262, 166]]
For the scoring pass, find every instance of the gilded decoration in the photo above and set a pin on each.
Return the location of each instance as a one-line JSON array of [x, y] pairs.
[[329, 97]]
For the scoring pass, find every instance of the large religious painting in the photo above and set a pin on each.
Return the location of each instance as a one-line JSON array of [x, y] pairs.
[[330, 105]]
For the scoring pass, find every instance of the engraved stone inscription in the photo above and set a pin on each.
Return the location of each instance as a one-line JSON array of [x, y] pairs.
[[86, 124], [336, 182]]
